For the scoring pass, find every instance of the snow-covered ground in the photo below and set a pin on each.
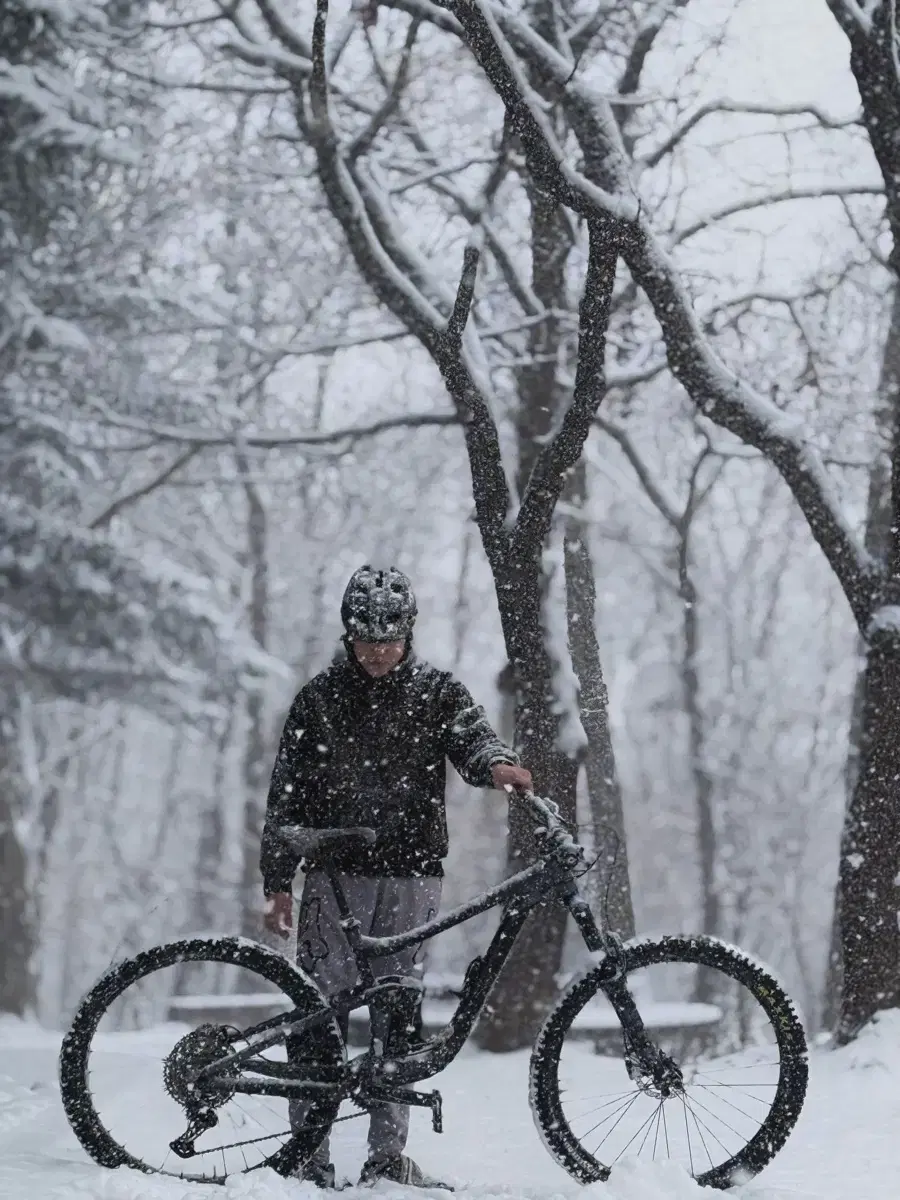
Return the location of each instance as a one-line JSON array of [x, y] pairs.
[[846, 1146]]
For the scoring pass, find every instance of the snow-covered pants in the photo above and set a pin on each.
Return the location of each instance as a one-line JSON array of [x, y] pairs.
[[383, 907]]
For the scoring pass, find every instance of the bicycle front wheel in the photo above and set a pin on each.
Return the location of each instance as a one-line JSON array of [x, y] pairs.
[[139, 1097], [738, 1052]]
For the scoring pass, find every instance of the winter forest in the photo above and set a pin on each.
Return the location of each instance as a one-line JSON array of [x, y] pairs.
[[583, 313]]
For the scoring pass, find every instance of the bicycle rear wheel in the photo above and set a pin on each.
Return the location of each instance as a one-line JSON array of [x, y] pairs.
[[742, 1062], [144, 1077]]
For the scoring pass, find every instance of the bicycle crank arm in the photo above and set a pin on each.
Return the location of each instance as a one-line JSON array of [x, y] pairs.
[[408, 1096]]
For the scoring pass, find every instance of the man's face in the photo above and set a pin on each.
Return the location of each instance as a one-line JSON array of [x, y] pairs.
[[378, 658]]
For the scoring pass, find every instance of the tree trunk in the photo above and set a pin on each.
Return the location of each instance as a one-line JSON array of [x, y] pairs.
[[879, 519], [870, 938], [527, 986], [17, 934], [255, 766], [605, 795], [703, 784]]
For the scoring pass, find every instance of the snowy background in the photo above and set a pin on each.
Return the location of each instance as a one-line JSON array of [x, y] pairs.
[[195, 281]]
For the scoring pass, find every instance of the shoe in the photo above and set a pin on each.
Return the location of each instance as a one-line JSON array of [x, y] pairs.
[[319, 1173], [400, 1169]]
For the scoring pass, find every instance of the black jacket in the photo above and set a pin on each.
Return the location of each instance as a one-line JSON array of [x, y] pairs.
[[363, 751]]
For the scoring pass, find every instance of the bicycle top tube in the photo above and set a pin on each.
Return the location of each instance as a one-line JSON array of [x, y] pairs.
[[533, 884]]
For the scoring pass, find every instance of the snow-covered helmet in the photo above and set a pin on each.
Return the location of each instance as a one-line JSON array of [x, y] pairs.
[[379, 605]]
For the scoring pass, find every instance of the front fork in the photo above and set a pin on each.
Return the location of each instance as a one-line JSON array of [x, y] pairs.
[[645, 1062]]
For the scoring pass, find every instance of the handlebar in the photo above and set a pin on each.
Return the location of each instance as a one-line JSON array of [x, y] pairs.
[[544, 810], [551, 825]]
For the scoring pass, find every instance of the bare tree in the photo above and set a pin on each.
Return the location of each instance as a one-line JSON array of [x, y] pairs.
[[572, 148], [867, 889]]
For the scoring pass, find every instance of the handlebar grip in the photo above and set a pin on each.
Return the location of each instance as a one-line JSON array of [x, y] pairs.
[[545, 810]]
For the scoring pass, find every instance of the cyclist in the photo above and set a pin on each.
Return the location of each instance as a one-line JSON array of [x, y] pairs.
[[365, 743]]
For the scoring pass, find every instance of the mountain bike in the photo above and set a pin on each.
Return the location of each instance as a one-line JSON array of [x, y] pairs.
[[724, 1101]]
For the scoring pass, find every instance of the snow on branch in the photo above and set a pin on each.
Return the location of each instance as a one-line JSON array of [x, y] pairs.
[[282, 29], [400, 278], [126, 499], [853, 17], [885, 619], [547, 161]]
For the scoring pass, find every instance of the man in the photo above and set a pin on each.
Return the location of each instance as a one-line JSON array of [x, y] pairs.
[[365, 743]]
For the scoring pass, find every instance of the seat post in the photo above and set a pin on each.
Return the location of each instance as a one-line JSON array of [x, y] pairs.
[[339, 893]]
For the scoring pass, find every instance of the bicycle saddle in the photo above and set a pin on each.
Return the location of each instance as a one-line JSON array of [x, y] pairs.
[[308, 841]]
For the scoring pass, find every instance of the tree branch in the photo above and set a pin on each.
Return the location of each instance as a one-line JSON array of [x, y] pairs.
[[648, 32], [464, 295], [851, 17], [547, 161], [391, 102], [813, 192], [654, 157], [282, 30], [390, 268], [548, 476], [203, 438], [122, 502], [720, 396], [654, 493]]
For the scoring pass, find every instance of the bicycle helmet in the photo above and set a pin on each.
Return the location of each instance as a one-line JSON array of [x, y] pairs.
[[379, 605]]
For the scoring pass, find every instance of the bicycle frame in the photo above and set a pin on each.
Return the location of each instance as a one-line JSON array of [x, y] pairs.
[[553, 876]]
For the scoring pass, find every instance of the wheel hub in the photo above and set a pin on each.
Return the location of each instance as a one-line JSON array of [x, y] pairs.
[[658, 1075], [198, 1049]]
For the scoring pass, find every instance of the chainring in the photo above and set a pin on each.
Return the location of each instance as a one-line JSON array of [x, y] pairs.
[[198, 1049]]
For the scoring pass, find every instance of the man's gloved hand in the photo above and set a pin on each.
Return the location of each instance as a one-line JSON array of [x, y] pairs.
[[279, 912], [507, 775]]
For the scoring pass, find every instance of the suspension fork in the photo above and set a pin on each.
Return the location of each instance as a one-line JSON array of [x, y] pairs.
[[643, 1053]]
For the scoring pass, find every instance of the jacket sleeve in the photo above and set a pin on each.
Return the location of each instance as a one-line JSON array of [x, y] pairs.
[[285, 805], [472, 746]]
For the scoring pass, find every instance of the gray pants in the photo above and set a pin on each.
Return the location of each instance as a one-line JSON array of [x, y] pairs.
[[383, 907]]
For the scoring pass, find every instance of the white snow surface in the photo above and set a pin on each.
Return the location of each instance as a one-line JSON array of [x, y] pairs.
[[845, 1147]]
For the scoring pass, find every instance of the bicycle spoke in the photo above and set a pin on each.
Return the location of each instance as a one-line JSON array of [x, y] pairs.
[[710, 1132], [590, 1112], [718, 1118], [647, 1134], [702, 1138], [688, 1132], [736, 1108], [659, 1117], [623, 1107], [634, 1136], [739, 1067], [613, 1128], [742, 1086]]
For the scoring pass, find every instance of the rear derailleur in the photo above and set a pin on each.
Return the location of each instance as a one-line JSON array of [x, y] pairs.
[[199, 1097]]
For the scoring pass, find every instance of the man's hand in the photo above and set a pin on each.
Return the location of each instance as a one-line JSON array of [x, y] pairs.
[[507, 775], [279, 913]]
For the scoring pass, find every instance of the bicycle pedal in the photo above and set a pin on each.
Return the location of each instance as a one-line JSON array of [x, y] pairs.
[[437, 1112]]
